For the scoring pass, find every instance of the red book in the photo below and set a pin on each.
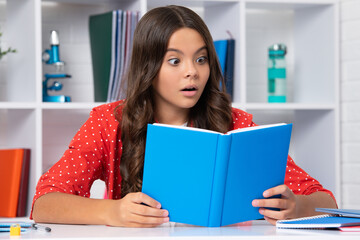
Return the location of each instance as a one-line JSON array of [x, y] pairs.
[[24, 184], [350, 229], [11, 165]]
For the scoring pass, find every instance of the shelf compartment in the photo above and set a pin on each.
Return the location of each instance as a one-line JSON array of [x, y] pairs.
[[310, 32]]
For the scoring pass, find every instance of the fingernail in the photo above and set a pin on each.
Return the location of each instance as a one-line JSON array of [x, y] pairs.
[[266, 194], [261, 211], [165, 213], [166, 219], [255, 203], [158, 206]]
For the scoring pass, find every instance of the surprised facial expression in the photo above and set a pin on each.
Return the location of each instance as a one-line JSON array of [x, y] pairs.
[[184, 72]]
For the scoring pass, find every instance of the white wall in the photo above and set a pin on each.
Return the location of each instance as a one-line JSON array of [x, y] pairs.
[[350, 102]]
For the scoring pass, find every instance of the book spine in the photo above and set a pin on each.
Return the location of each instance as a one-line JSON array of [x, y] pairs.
[[219, 180], [24, 182]]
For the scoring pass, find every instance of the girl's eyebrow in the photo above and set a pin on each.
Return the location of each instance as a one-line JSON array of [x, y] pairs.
[[179, 51]]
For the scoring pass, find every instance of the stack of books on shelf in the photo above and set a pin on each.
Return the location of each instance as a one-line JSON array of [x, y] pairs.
[[111, 36], [14, 179]]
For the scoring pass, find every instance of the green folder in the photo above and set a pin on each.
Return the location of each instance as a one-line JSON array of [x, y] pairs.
[[100, 29]]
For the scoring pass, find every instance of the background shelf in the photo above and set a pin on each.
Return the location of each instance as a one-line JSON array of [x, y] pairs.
[[309, 28]]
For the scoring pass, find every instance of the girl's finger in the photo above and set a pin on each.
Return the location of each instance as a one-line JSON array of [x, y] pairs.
[[278, 215], [271, 203], [281, 189], [140, 197], [270, 220], [145, 220], [144, 210]]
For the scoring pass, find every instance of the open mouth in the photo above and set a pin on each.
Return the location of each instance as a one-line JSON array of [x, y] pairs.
[[189, 89]]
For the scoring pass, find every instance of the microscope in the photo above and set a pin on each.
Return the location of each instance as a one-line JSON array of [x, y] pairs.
[[51, 56]]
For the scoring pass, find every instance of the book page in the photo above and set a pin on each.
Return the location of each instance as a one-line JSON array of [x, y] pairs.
[[211, 131], [254, 128], [186, 128]]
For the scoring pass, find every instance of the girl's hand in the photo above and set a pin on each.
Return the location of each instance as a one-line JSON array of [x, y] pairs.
[[287, 204], [137, 210]]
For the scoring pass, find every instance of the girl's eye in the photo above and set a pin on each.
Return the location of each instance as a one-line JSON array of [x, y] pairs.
[[174, 61], [201, 60]]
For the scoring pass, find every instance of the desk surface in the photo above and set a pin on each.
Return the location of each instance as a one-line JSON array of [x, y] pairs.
[[248, 230]]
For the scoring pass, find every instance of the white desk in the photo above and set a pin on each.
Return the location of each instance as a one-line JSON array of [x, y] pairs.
[[250, 230]]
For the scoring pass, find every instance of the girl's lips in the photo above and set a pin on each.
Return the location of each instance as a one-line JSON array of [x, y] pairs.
[[189, 91]]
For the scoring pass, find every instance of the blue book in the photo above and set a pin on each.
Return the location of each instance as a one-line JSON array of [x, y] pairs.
[[320, 221], [229, 67], [225, 50], [208, 178], [342, 212], [221, 51]]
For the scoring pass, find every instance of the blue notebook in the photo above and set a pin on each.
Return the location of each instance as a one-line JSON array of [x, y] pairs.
[[5, 226], [320, 221], [207, 178], [342, 212]]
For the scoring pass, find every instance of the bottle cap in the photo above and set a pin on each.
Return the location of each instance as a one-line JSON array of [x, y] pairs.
[[278, 49]]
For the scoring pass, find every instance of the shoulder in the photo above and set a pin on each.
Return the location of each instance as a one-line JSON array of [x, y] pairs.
[[110, 107], [241, 119], [108, 114]]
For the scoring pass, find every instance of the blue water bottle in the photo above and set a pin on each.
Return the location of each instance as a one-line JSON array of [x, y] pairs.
[[277, 73]]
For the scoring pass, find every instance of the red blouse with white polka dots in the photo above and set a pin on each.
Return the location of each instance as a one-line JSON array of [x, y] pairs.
[[95, 153]]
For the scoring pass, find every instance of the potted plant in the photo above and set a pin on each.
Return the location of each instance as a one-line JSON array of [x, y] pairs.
[[4, 52]]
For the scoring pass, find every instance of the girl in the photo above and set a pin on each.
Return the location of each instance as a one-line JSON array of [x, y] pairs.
[[174, 78]]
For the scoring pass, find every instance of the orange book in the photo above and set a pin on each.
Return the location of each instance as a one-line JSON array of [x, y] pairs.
[[24, 184], [11, 161]]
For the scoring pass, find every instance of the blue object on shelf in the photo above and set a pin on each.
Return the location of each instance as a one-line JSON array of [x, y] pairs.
[[56, 86], [51, 56]]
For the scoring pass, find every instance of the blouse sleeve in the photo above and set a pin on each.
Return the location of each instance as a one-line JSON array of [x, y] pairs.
[[300, 182], [80, 165]]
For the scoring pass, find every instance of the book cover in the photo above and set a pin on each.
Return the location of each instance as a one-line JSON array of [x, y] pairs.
[[115, 51], [320, 221], [100, 30], [24, 184], [221, 50], [342, 212], [207, 178], [11, 161], [229, 67]]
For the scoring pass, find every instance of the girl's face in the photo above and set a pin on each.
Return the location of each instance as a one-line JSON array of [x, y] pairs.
[[183, 74]]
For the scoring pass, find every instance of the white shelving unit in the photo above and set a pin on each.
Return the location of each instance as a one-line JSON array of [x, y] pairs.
[[308, 27]]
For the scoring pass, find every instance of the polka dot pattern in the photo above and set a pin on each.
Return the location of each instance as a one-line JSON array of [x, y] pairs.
[[296, 178], [95, 153]]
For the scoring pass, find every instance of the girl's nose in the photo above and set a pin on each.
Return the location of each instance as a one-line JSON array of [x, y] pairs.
[[191, 71]]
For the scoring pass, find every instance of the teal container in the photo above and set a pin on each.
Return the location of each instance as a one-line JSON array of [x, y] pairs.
[[277, 73]]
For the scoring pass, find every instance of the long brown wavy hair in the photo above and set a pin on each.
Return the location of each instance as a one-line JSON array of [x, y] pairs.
[[151, 37]]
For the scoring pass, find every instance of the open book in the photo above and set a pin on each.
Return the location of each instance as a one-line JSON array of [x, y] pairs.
[[208, 178]]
